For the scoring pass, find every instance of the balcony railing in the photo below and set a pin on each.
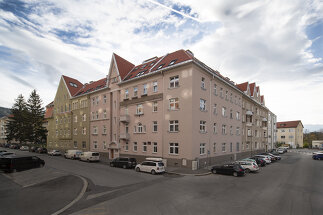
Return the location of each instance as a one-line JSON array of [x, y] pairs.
[[125, 136], [249, 124], [125, 118]]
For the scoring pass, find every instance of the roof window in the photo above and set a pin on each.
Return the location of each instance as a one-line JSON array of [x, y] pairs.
[[160, 66], [73, 84], [172, 62], [143, 66]]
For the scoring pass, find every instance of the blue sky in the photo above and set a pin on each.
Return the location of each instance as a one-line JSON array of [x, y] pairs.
[[276, 44]]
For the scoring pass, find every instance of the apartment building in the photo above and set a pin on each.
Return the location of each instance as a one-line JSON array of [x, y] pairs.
[[3, 122], [272, 130], [290, 133], [173, 107]]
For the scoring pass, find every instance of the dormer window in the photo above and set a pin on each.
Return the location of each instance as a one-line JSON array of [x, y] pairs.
[[160, 66], [172, 62], [73, 84], [143, 66]]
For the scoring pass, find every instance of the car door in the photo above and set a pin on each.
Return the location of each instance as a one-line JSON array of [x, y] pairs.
[[144, 166]]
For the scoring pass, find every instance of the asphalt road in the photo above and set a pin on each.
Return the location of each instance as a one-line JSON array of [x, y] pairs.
[[293, 185]]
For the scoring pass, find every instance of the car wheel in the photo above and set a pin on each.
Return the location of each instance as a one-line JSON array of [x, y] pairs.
[[235, 174], [153, 172], [247, 170], [213, 171], [124, 166], [137, 169], [111, 164]]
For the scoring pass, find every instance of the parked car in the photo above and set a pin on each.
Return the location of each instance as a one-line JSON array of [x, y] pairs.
[[90, 156], [7, 145], [270, 154], [41, 150], [280, 151], [24, 148], [152, 167], [54, 152], [19, 163], [73, 154], [124, 162], [317, 156], [229, 169], [265, 157], [249, 166], [260, 161], [33, 149], [14, 146], [6, 153]]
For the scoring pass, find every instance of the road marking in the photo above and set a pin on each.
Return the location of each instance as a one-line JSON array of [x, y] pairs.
[[85, 184]]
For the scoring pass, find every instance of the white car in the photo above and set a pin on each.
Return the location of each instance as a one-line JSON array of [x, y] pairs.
[[54, 153], [249, 166], [152, 167], [265, 157], [73, 154], [280, 151], [90, 156], [24, 148]]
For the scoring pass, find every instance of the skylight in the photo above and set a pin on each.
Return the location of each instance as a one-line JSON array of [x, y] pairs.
[[160, 66], [172, 62], [73, 84]]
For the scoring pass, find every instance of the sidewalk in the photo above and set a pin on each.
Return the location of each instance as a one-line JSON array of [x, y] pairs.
[[186, 171]]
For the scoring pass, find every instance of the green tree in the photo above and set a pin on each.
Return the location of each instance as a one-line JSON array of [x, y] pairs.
[[305, 145], [37, 132], [17, 128]]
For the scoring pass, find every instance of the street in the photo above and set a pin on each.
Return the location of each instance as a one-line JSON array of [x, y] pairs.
[[293, 185]]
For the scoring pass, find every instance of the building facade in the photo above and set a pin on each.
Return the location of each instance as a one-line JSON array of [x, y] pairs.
[[290, 133], [172, 107]]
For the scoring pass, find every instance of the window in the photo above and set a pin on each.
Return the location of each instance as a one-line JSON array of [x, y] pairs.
[[203, 126], [214, 109], [249, 132], [231, 97], [84, 131], [226, 95], [139, 110], [93, 116], [155, 126], [223, 147], [75, 144], [224, 129], [104, 129], [95, 130], [221, 92], [256, 145], [155, 106], [126, 110], [104, 114], [172, 62], [135, 91], [155, 147], [95, 144], [96, 114], [174, 82], [83, 144], [224, 109], [104, 145], [127, 146], [173, 125], [214, 147], [93, 103], [230, 147], [282, 137], [214, 90], [203, 83], [105, 99], [135, 146], [84, 117], [75, 118], [155, 87], [145, 89], [144, 147], [97, 100], [173, 104], [140, 128], [214, 128], [126, 94], [202, 105], [231, 114], [173, 148], [238, 131], [237, 115], [75, 131], [202, 148]]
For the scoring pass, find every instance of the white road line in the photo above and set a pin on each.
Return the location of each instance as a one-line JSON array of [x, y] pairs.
[[77, 198]]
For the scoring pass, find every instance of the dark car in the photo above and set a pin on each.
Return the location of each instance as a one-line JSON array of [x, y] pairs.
[[6, 153], [124, 162], [41, 150], [317, 156], [229, 169], [33, 149], [7, 145], [20, 163], [272, 155], [259, 161]]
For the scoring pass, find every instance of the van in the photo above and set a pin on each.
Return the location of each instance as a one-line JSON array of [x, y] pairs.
[[72, 154], [19, 163], [90, 156]]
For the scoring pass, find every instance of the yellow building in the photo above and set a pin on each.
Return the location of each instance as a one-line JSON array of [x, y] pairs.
[[291, 133]]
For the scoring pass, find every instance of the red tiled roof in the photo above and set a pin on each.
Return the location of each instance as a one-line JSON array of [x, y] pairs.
[[123, 65], [252, 88], [243, 87], [92, 86], [288, 124], [49, 112], [158, 63], [72, 84]]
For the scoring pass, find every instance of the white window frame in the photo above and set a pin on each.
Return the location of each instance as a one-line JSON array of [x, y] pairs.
[[155, 86], [203, 83], [135, 146], [202, 105], [173, 148], [139, 109], [155, 126], [202, 126], [174, 82], [202, 149], [155, 147], [174, 104], [155, 106], [173, 125], [145, 89], [223, 147]]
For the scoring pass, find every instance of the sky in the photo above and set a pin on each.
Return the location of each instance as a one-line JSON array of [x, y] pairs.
[[277, 44]]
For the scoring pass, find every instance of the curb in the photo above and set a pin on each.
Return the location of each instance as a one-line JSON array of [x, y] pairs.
[[188, 174], [85, 184]]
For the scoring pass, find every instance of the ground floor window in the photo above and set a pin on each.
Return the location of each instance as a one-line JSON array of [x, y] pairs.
[[223, 147], [104, 145], [230, 147], [202, 148], [155, 147], [238, 147], [214, 147], [83, 144], [95, 144], [75, 144], [135, 146], [173, 148], [127, 146], [144, 147]]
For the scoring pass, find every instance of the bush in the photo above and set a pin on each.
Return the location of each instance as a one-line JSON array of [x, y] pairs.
[[306, 145]]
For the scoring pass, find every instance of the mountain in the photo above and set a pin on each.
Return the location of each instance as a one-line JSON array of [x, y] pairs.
[[312, 128], [4, 111]]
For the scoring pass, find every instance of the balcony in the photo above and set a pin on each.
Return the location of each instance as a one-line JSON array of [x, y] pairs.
[[264, 127], [125, 118], [249, 124], [125, 136]]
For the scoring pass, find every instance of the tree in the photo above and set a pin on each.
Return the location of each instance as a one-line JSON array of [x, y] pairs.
[[37, 132], [16, 126]]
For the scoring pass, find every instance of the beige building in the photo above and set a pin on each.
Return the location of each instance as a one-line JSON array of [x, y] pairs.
[[172, 107], [291, 133], [317, 144], [3, 122]]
